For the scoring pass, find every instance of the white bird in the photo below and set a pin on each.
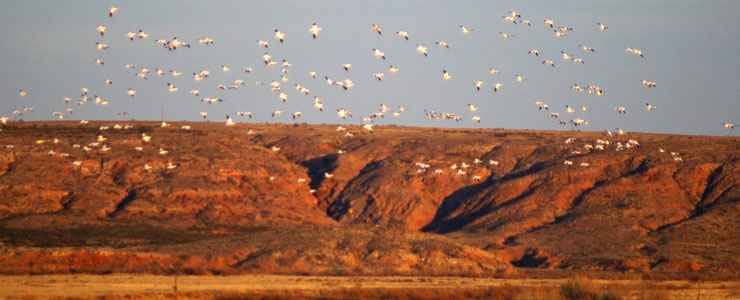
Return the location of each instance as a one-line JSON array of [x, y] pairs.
[[442, 44], [296, 115], [549, 23], [421, 49], [635, 51], [566, 55], [171, 87], [344, 113], [279, 35], [393, 69], [368, 127], [602, 27], [585, 48], [466, 29], [446, 75], [22, 93], [478, 84], [315, 30], [378, 54], [101, 46], [519, 78], [505, 35], [472, 107], [649, 107], [318, 103], [549, 62], [101, 29], [328, 175], [208, 41], [728, 125], [229, 121], [112, 11], [131, 92], [403, 34], [493, 71], [534, 52], [498, 87], [620, 110], [476, 119], [263, 44], [247, 114], [379, 76], [377, 29], [648, 83]]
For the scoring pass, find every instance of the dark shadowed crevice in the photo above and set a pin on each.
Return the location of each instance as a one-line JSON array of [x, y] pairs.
[[699, 210], [341, 206], [318, 166], [532, 258], [67, 201], [704, 205], [121, 206]]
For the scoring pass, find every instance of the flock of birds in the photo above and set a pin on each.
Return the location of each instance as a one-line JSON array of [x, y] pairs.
[[279, 86]]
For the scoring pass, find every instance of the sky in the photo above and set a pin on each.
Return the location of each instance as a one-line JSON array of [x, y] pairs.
[[691, 50]]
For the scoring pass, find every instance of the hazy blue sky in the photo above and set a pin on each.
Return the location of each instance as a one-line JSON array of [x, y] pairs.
[[691, 50]]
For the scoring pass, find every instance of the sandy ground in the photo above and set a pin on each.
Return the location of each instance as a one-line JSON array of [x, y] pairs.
[[87, 286]]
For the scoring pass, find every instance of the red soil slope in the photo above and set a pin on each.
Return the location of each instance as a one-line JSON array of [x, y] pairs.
[[233, 205]]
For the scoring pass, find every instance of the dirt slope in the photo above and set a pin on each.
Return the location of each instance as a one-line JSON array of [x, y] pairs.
[[255, 199]]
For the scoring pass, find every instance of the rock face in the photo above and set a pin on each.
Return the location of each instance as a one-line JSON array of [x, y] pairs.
[[310, 199]]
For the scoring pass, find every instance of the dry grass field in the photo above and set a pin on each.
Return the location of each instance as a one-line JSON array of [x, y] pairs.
[[121, 286]]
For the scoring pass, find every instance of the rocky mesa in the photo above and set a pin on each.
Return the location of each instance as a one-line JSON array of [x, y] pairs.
[[314, 199]]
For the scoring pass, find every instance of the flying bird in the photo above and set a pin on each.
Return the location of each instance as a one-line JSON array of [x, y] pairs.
[[112, 11], [377, 29], [421, 49], [101, 29], [602, 27], [466, 29], [279, 35], [635, 51], [378, 54], [403, 34], [315, 30], [478, 84]]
